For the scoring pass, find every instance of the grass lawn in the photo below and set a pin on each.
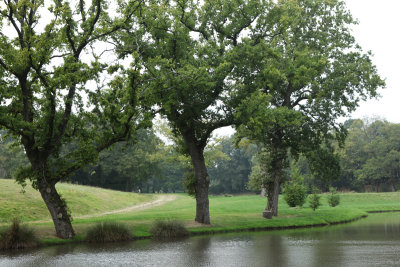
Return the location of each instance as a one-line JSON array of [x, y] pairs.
[[237, 213], [81, 200]]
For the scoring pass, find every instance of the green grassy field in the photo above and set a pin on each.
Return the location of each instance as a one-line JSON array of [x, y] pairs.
[[237, 213], [82, 200]]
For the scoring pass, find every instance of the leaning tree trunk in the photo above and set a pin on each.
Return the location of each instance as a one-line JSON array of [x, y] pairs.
[[57, 208], [202, 183]]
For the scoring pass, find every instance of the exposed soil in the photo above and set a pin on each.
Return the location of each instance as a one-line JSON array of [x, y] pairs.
[[161, 200]]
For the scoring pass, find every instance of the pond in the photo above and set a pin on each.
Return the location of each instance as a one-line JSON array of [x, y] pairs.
[[374, 241]]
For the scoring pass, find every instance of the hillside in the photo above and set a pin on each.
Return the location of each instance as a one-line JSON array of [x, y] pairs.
[[82, 200]]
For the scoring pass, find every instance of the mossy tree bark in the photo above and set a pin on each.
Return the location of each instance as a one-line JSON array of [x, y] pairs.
[[57, 208]]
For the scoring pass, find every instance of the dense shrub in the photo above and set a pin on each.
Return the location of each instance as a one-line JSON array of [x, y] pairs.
[[333, 198], [314, 200], [168, 229], [18, 237], [294, 193], [108, 232]]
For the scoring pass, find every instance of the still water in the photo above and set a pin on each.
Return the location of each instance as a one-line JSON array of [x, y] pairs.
[[374, 241]]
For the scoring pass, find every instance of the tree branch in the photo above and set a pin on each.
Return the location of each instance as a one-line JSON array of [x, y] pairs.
[[13, 22], [192, 28]]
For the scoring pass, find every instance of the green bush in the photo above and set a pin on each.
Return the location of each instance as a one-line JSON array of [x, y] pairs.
[[108, 232], [18, 237], [168, 229], [294, 194], [333, 198], [294, 191], [314, 200]]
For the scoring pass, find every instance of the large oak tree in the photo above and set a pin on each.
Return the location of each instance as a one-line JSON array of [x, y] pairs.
[[302, 77], [186, 47], [46, 65]]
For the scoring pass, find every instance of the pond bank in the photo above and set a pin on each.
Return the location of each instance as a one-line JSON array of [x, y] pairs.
[[288, 223], [232, 214], [374, 241]]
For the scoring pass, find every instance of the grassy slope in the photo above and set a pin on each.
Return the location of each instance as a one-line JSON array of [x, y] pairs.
[[227, 213], [82, 200]]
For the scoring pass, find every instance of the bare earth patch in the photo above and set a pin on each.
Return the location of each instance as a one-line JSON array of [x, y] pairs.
[[161, 200]]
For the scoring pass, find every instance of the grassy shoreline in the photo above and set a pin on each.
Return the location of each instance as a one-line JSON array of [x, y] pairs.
[[141, 232], [225, 217], [228, 214]]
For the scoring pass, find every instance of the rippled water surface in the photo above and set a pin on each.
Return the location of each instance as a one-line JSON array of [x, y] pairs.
[[374, 241]]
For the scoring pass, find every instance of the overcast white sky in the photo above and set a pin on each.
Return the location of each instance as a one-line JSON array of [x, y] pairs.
[[378, 31]]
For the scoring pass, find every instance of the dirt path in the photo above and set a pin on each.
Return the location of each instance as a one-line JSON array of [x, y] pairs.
[[161, 200]]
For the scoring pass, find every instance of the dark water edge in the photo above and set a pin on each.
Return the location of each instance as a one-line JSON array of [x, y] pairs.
[[374, 241]]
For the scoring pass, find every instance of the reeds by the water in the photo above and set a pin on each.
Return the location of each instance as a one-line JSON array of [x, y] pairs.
[[108, 232], [18, 237], [166, 229]]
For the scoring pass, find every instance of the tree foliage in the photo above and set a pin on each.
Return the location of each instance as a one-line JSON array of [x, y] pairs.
[[128, 166], [372, 154], [294, 190], [11, 156], [230, 173], [46, 67], [314, 199], [304, 73], [333, 197]]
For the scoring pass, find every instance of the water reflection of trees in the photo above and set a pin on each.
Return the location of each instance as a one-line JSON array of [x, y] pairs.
[[269, 249], [197, 252]]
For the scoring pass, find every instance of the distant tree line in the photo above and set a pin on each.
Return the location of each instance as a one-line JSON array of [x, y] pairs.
[[370, 161], [371, 158], [151, 166]]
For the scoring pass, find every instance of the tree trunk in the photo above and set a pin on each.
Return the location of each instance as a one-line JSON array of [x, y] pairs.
[[273, 196], [202, 183], [263, 192], [278, 158], [270, 197], [201, 188], [202, 203], [57, 208]]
